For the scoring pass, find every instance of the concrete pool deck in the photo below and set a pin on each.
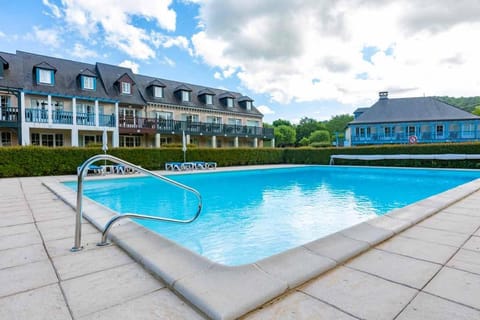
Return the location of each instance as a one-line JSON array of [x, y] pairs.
[[422, 261]]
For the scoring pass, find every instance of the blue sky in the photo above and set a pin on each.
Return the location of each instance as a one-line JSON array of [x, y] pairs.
[[295, 58]]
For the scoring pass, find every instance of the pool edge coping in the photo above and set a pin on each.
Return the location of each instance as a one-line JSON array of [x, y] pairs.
[[225, 292]]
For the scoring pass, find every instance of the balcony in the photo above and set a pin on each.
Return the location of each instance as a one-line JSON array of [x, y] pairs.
[[423, 137], [152, 125], [66, 117], [8, 117]]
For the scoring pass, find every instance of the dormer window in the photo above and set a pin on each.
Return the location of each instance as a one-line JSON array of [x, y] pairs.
[[226, 99], [245, 102], [185, 96], [208, 99], [248, 105], [3, 66], [229, 102], [89, 83], [126, 88], [45, 76], [158, 92]]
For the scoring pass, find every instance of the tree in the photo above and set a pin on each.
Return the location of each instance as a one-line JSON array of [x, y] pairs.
[[281, 122], [306, 126], [338, 124], [320, 136], [284, 135]]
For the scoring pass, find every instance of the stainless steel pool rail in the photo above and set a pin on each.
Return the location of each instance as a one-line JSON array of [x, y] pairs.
[[82, 172]]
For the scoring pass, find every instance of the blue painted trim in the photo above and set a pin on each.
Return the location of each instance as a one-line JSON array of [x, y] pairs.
[[68, 96]]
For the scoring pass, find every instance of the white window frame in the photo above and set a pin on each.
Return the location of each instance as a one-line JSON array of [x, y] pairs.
[[248, 105], [88, 83], [126, 88], [185, 96], [208, 99], [468, 130], [214, 119], [158, 92], [44, 76], [229, 102], [235, 121], [164, 115]]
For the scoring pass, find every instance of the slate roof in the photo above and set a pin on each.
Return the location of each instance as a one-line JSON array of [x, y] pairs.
[[12, 77], [109, 74], [66, 76], [169, 96], [411, 110]]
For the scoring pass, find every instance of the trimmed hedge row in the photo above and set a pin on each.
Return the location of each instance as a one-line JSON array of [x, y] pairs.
[[41, 161]]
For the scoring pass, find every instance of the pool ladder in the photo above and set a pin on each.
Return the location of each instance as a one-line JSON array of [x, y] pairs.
[[79, 215]]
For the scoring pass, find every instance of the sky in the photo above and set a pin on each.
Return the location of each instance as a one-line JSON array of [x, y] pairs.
[[294, 58]]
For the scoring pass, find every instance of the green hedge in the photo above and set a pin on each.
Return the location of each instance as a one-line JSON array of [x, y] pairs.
[[41, 161]]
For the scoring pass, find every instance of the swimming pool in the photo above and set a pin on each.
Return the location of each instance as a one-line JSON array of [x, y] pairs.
[[250, 215]]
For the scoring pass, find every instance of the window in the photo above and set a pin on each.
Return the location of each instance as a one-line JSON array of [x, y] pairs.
[[130, 141], [88, 83], [126, 88], [185, 96], [212, 119], [91, 140], [46, 140], [229, 102], [468, 130], [252, 123], [4, 101], [208, 99], [190, 117], [45, 76], [158, 92], [248, 105], [164, 115], [6, 139], [233, 121], [411, 130], [439, 130]]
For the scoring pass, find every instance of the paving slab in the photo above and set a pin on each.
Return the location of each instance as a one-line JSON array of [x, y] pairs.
[[368, 233], [42, 303], [16, 219], [61, 247], [84, 262], [419, 249], [100, 290], [400, 269], [298, 305], [18, 256], [436, 236], [446, 215], [19, 240], [360, 294], [456, 285], [161, 304], [428, 307], [390, 223], [26, 277], [17, 229], [466, 260], [449, 225], [472, 244]]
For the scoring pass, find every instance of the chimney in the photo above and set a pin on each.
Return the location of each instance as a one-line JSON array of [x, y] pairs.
[[383, 95]]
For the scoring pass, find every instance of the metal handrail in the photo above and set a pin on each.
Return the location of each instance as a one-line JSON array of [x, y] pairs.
[[81, 175]]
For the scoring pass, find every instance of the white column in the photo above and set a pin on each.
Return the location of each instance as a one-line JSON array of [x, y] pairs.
[[188, 139], [273, 143], [214, 142], [255, 142], [24, 126], [74, 137], [235, 142], [157, 140], [49, 109], [116, 138], [96, 114]]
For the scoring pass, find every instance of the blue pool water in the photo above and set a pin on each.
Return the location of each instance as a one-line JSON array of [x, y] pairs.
[[250, 215]]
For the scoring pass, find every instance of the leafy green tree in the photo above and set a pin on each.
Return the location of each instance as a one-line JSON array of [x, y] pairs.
[[304, 142], [319, 136], [281, 122], [306, 126], [338, 124], [284, 136], [476, 111]]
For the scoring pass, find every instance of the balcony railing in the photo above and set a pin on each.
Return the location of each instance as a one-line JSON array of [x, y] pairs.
[[9, 114], [36, 115], [423, 137], [106, 120], [143, 125], [63, 117]]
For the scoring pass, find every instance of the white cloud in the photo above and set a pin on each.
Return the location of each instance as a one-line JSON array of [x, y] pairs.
[[161, 40], [80, 51], [265, 109], [47, 37], [112, 20], [54, 9], [130, 64], [305, 51], [168, 61], [2, 35]]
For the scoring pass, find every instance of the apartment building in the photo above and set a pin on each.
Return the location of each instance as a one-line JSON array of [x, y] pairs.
[[55, 102]]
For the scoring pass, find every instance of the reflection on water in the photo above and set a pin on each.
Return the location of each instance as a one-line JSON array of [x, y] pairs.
[[250, 215]]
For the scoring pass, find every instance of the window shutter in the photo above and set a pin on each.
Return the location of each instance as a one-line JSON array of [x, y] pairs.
[[52, 77], [94, 80], [37, 73]]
